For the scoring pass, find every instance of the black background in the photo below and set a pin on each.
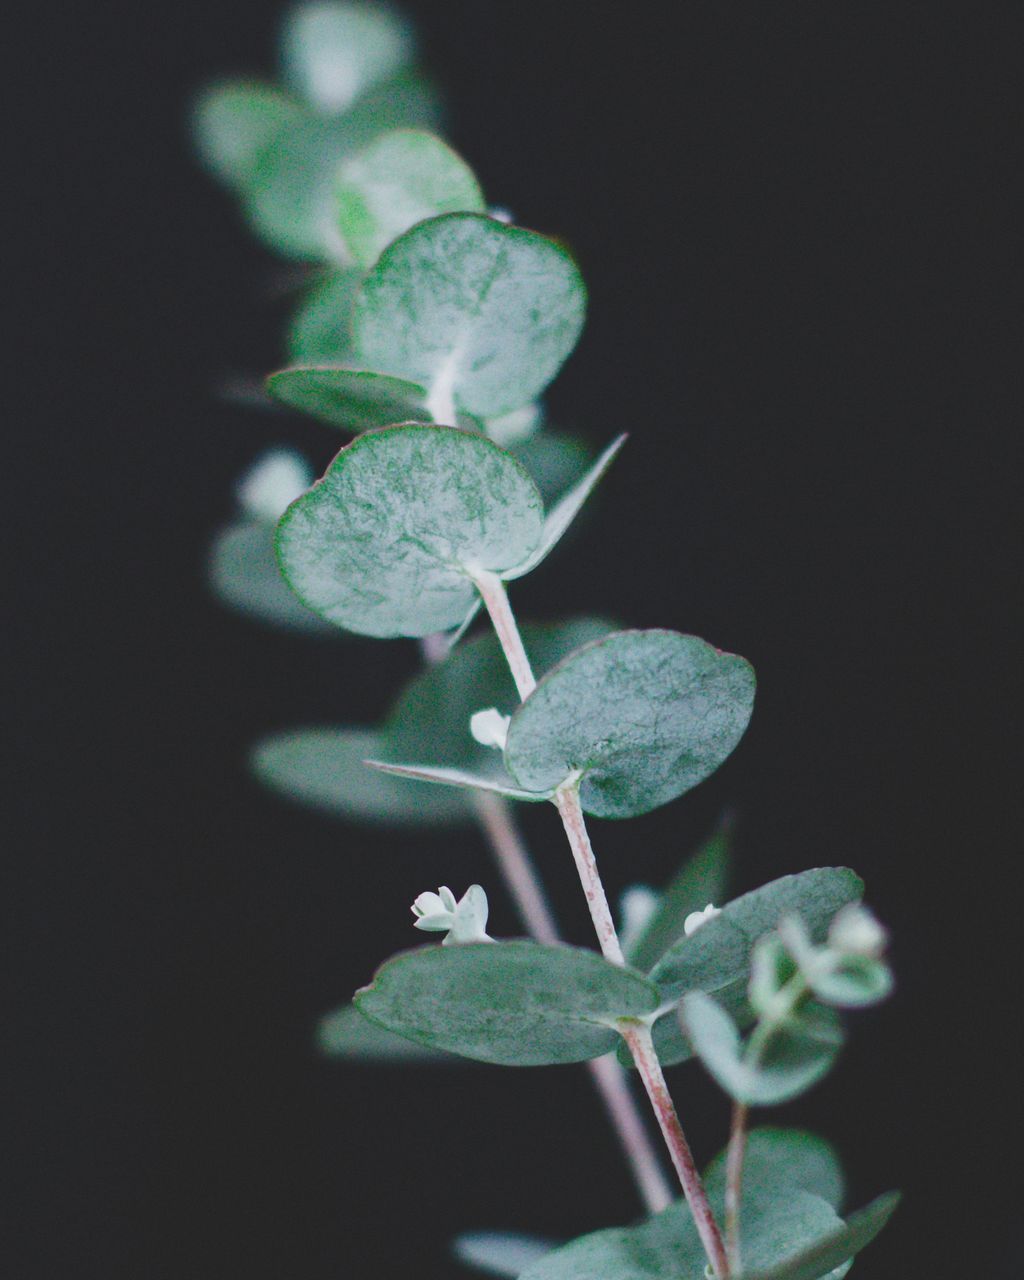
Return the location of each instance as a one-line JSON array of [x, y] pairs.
[[796, 227]]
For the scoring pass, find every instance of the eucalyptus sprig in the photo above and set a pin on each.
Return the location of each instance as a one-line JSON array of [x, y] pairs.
[[431, 332]]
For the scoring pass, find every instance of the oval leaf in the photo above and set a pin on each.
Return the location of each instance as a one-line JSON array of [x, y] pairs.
[[321, 329], [349, 398], [777, 1157], [332, 53], [400, 179], [347, 1035], [642, 715], [234, 122], [514, 1003], [832, 1249], [384, 544], [480, 313]]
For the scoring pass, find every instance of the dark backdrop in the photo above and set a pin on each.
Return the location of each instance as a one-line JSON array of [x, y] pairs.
[[795, 224]]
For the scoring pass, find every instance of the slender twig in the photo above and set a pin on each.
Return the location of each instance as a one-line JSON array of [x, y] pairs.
[[734, 1183], [636, 1034], [523, 884]]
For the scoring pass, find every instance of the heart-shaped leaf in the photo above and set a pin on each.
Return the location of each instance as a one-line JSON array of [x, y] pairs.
[[480, 313], [386, 543], [514, 1003], [794, 1057], [234, 122], [244, 574], [332, 53], [345, 1034], [641, 717], [716, 958], [777, 1157], [401, 178]]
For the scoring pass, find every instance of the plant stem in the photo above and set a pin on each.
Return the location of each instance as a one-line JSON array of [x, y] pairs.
[[734, 1182], [636, 1035], [523, 884]]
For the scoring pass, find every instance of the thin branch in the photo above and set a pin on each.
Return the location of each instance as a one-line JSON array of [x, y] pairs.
[[492, 591], [734, 1183]]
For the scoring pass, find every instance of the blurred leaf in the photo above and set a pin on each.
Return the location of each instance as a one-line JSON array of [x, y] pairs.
[[834, 1248], [332, 53], [645, 714], [324, 768], [554, 460], [347, 1035], [783, 1157], [795, 1056], [321, 329], [853, 982], [500, 1253], [481, 313], [703, 878], [244, 574], [513, 1003], [233, 122], [349, 398], [400, 179], [384, 543], [441, 776]]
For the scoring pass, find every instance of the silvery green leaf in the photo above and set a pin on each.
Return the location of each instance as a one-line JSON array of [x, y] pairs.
[[233, 122], [500, 1253], [345, 1034], [716, 958], [565, 510], [320, 332], [832, 1249], [556, 461], [795, 1057], [401, 178], [456, 778], [777, 1157], [331, 53], [386, 543], [481, 314], [642, 716], [289, 197], [352, 399], [701, 879], [513, 1003], [325, 768], [851, 982], [244, 574]]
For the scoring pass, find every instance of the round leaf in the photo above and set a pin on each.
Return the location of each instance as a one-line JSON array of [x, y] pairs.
[[234, 122], [514, 1003], [324, 768], [643, 716], [480, 313], [385, 542], [783, 1157], [321, 329], [332, 53], [400, 179]]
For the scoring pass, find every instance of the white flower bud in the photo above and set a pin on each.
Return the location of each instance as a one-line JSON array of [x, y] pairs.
[[855, 931], [463, 921], [636, 907], [696, 918], [272, 483], [490, 727]]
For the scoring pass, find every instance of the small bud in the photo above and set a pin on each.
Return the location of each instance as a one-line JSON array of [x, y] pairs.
[[499, 214], [636, 907], [463, 921], [272, 483], [855, 931], [490, 727], [697, 918]]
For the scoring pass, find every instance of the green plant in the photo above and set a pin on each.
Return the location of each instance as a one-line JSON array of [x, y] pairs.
[[431, 330]]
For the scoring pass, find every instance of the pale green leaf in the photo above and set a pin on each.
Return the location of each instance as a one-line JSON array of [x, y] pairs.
[[642, 716], [446, 777], [777, 1157], [833, 1248], [513, 1003], [244, 574], [289, 197], [556, 461], [345, 1034], [401, 178], [480, 313], [320, 332], [716, 958], [352, 399], [852, 982], [701, 879], [562, 514], [332, 53], [795, 1056], [386, 542], [324, 768], [500, 1253], [235, 121]]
